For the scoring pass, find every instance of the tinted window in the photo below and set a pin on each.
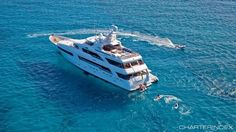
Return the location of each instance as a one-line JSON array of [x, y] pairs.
[[76, 46], [127, 65], [95, 64], [67, 52], [137, 74], [125, 77], [92, 54], [140, 62], [115, 63], [144, 72], [89, 43], [127, 50], [134, 63]]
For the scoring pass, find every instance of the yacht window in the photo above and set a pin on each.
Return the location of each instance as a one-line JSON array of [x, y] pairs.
[[117, 45], [95, 64], [67, 52], [108, 47], [127, 65], [127, 50], [89, 43], [140, 62], [144, 72], [134, 63], [115, 63], [137, 74], [92, 54], [125, 77], [76, 46]]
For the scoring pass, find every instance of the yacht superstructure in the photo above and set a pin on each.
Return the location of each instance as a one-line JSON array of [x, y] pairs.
[[105, 57]]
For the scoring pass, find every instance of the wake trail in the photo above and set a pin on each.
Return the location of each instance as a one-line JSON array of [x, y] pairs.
[[154, 40], [176, 103]]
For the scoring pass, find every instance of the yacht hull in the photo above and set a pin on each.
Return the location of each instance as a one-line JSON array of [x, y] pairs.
[[97, 72], [95, 67]]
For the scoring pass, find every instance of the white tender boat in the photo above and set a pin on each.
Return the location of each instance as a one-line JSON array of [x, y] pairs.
[[105, 57]]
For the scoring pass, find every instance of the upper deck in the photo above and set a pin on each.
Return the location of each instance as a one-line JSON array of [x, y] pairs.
[[107, 44], [119, 51]]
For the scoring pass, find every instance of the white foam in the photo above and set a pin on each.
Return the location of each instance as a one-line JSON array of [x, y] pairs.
[[154, 40], [184, 110], [70, 32], [173, 101]]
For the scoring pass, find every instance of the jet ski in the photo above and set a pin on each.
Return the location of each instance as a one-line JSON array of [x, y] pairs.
[[177, 46]]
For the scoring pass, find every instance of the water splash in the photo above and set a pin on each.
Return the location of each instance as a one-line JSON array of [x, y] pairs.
[[176, 103], [171, 99], [154, 40], [184, 109], [168, 99], [69, 32]]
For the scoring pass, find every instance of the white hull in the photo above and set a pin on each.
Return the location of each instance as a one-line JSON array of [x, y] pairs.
[[97, 72], [126, 71], [100, 73]]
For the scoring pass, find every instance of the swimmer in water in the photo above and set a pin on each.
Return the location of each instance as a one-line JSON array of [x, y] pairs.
[[158, 97], [176, 106], [142, 87]]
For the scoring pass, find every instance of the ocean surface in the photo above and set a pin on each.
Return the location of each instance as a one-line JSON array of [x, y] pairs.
[[41, 91]]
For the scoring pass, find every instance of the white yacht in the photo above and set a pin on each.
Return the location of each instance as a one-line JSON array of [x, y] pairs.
[[105, 57]]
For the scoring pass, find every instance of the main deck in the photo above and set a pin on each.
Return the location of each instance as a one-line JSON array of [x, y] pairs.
[[117, 50]]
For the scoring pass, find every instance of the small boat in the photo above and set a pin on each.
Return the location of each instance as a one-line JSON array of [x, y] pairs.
[[105, 57]]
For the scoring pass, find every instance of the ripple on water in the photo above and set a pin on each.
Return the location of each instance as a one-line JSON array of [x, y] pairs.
[[216, 70], [63, 87]]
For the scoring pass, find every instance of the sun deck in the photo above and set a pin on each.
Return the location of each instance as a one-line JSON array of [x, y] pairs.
[[70, 41], [100, 43], [119, 51]]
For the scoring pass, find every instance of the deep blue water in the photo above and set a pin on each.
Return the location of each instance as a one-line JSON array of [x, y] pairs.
[[41, 91]]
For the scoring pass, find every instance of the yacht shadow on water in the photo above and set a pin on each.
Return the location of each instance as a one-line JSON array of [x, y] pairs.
[[72, 90]]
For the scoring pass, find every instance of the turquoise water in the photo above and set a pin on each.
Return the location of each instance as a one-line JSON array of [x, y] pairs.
[[41, 91]]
